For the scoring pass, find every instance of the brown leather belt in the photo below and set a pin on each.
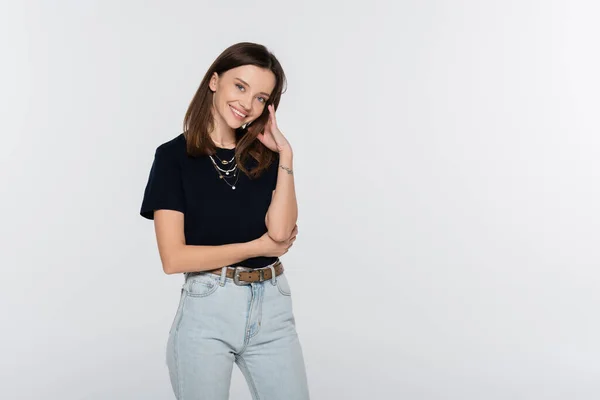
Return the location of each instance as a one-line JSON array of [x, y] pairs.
[[245, 276]]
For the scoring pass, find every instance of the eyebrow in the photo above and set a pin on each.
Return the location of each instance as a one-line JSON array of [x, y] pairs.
[[245, 83]]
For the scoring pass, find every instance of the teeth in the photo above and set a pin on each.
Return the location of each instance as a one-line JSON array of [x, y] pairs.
[[237, 112]]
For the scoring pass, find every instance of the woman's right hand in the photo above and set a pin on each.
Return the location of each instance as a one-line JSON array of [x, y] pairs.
[[270, 248]]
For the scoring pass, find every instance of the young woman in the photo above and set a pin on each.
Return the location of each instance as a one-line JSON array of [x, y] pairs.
[[223, 201]]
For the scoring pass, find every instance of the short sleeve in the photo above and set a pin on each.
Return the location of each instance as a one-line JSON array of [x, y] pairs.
[[164, 189]]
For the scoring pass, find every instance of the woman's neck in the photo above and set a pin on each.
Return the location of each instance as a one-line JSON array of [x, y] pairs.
[[222, 135]]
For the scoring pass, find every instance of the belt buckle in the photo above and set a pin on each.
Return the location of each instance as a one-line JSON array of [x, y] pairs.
[[236, 275]]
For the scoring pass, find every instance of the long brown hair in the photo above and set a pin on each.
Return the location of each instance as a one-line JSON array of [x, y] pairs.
[[199, 121]]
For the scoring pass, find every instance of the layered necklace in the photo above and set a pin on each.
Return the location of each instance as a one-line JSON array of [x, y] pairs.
[[225, 174]]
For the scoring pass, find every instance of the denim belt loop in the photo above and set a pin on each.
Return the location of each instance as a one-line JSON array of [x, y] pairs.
[[223, 276], [273, 277]]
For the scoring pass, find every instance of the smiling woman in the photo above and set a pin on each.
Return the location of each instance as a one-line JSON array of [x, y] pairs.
[[239, 99], [223, 201]]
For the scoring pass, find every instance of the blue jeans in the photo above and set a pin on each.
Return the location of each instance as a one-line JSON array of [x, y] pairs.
[[218, 323]]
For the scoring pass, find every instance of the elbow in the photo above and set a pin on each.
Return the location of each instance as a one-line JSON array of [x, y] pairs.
[[279, 236], [280, 232], [168, 270], [169, 266], [171, 257]]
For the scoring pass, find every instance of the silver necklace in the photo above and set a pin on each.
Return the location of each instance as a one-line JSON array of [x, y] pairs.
[[223, 177], [237, 175], [223, 170]]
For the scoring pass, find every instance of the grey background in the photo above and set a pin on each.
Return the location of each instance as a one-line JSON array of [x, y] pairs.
[[447, 164]]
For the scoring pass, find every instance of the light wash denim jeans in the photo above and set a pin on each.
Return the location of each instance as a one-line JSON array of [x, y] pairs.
[[218, 323]]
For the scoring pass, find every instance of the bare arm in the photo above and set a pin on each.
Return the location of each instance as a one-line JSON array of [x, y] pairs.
[[177, 257], [283, 211]]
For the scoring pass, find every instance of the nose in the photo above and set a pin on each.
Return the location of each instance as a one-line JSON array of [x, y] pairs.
[[245, 102]]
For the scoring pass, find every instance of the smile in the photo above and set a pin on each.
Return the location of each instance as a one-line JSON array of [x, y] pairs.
[[237, 114]]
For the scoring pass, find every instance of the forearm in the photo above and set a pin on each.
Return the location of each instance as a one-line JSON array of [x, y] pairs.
[[283, 211], [189, 258]]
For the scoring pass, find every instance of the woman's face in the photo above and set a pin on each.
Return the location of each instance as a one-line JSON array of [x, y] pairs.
[[240, 94]]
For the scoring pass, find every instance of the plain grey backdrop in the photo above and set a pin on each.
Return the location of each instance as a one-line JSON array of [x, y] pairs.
[[447, 159]]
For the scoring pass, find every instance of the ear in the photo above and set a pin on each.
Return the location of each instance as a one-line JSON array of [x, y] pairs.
[[214, 79]]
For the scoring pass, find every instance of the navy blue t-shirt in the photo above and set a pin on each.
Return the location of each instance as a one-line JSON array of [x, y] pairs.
[[214, 214]]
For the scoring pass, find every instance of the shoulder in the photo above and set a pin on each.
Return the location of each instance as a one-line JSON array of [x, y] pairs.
[[173, 148]]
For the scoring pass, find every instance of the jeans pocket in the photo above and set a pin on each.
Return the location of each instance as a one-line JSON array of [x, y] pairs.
[[201, 285], [283, 285]]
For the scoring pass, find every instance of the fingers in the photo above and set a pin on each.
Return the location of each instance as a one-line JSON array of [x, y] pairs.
[[267, 129], [290, 242], [294, 234], [272, 114]]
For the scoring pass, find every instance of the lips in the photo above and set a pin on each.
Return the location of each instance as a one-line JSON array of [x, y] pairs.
[[237, 113]]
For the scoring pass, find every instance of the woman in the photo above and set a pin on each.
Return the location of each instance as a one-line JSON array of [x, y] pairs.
[[223, 201]]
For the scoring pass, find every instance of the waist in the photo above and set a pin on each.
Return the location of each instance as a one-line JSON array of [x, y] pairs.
[[243, 275], [256, 262]]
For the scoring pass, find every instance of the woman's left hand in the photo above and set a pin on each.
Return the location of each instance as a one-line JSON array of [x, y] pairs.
[[272, 136]]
